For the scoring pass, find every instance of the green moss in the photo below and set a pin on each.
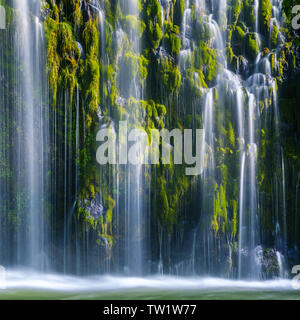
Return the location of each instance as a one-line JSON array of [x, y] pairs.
[[170, 75], [206, 61], [274, 36], [283, 61], [53, 59], [91, 71], [132, 22], [240, 33], [220, 210], [232, 59], [194, 81], [202, 32], [71, 11], [237, 8], [170, 195], [9, 14], [252, 45], [237, 40], [161, 110], [109, 86], [111, 11], [152, 17], [265, 13], [248, 13], [273, 63], [229, 54], [109, 204], [136, 66], [90, 37], [171, 39], [178, 11], [231, 137], [62, 55], [163, 203], [234, 223]]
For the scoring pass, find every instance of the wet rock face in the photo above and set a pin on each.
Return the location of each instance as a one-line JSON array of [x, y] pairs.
[[95, 206], [270, 266], [175, 76]]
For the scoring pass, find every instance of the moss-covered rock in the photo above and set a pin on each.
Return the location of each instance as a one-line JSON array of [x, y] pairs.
[[171, 39], [237, 40], [274, 36], [206, 61], [252, 45], [152, 16]]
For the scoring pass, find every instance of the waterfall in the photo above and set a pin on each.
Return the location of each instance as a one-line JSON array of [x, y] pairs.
[[29, 157], [208, 176], [256, 8], [60, 210], [252, 154], [241, 210], [209, 128], [186, 22], [135, 221], [284, 203], [281, 235]]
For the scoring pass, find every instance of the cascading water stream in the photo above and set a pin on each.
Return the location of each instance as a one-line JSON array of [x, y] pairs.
[[256, 8], [254, 226], [208, 175], [32, 118], [284, 218], [186, 22], [135, 210]]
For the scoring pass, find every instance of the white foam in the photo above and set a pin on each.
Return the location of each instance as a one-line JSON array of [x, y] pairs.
[[23, 279]]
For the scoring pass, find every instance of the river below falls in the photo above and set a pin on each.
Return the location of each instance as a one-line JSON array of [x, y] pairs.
[[31, 285]]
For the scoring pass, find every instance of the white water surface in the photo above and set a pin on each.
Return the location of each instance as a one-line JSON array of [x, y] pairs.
[[24, 279]]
